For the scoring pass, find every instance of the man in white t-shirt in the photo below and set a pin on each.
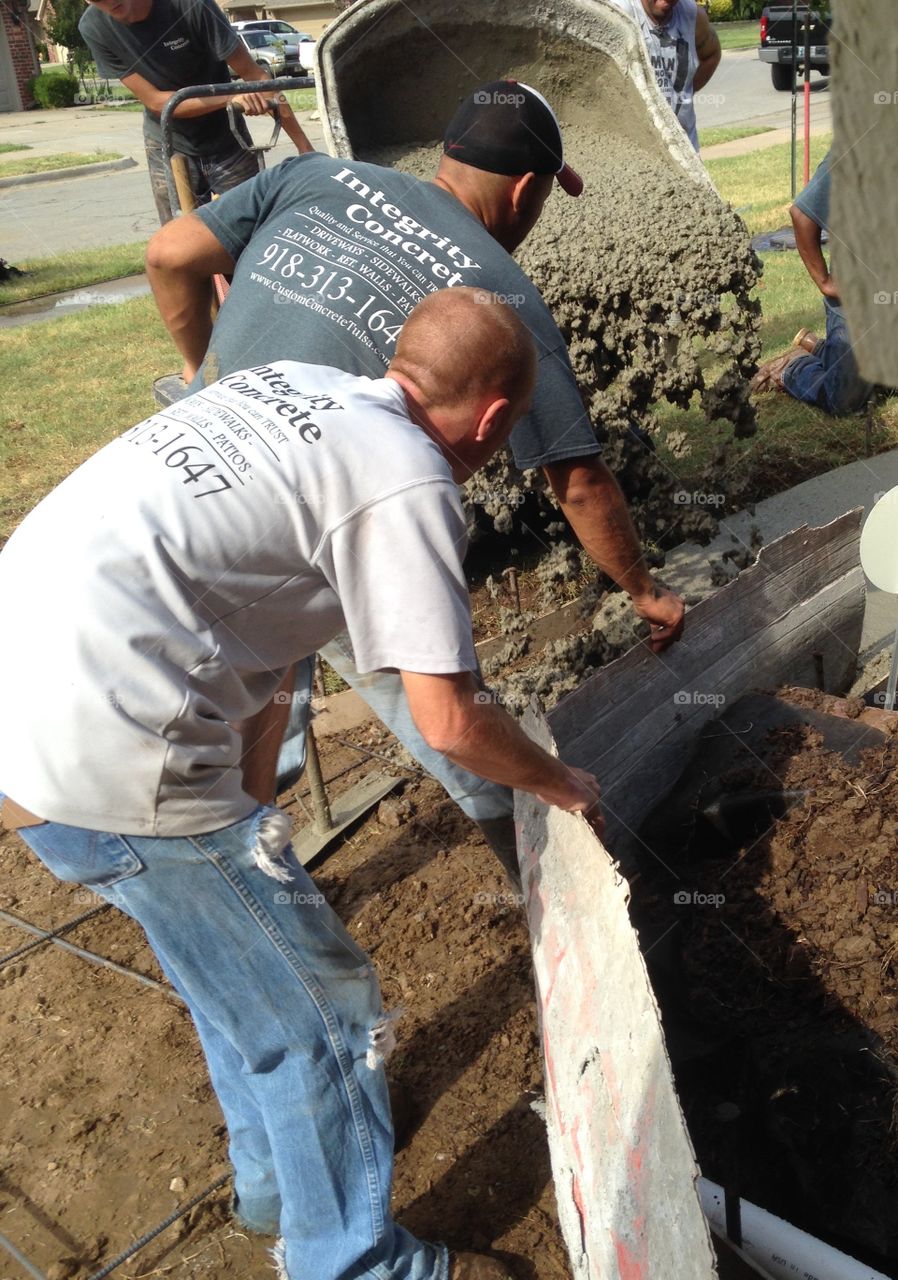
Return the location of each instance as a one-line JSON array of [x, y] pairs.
[[206, 551]]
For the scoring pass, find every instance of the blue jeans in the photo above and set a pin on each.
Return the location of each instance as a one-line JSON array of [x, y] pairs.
[[209, 175], [289, 1014], [383, 691], [830, 379]]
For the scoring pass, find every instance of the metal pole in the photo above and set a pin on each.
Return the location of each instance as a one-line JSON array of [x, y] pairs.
[[807, 97], [323, 819], [794, 98], [91, 956]]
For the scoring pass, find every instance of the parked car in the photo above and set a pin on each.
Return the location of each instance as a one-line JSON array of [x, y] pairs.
[[267, 51], [776, 42], [298, 47]]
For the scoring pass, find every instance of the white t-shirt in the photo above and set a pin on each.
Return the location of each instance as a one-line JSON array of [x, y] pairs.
[[164, 588]]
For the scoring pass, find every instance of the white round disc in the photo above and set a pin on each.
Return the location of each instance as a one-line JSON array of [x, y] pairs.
[[879, 543]]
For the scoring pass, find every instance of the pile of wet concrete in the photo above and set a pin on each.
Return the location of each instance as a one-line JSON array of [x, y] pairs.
[[649, 276]]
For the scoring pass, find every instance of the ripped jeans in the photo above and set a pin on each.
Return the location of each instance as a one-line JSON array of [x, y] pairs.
[[289, 1014]]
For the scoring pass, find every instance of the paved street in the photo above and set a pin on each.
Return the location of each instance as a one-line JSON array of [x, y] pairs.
[[741, 92], [115, 208], [44, 218]]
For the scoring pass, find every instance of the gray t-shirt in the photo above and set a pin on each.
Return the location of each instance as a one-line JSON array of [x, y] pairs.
[[181, 43], [813, 201], [332, 255], [174, 577]]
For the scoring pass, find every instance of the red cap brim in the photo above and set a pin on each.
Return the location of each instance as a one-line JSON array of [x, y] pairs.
[[569, 180]]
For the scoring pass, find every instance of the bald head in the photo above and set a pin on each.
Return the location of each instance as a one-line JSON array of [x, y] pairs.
[[467, 366], [464, 345]]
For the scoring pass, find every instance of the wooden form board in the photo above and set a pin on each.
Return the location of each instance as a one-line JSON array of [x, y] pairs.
[[633, 723], [623, 1165], [624, 1168]]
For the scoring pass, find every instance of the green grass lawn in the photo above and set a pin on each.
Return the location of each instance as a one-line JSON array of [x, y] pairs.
[[62, 160], [730, 133], [738, 35], [6, 147], [758, 185], [69, 386], [794, 441], [94, 371], [73, 271]]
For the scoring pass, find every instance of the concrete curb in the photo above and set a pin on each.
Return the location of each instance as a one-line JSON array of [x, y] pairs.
[[77, 171]]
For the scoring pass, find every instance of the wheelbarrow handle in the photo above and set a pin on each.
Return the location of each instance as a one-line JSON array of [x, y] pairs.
[[231, 89], [235, 110]]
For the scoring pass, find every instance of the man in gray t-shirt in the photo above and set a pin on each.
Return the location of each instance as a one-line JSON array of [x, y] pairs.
[[156, 47], [329, 256]]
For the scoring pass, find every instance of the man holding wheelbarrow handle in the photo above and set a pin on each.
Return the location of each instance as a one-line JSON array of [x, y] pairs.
[[156, 47]]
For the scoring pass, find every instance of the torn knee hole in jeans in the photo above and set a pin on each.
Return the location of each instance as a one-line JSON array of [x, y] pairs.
[[272, 837], [382, 1039]]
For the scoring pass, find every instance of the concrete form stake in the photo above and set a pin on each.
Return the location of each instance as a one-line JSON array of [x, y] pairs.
[[512, 575]]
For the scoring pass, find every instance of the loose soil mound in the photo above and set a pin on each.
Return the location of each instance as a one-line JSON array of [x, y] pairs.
[[775, 959]]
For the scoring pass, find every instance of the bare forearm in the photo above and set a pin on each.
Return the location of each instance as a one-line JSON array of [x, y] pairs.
[[809, 243], [262, 738], [462, 722], [593, 503], [293, 128], [705, 71]]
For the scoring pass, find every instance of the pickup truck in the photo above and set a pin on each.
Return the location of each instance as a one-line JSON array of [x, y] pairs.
[[776, 42]]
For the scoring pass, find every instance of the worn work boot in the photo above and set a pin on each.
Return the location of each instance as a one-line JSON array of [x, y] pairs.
[[770, 375], [808, 341], [476, 1266]]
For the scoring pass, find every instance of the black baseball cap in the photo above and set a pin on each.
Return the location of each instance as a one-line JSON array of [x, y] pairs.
[[507, 127]]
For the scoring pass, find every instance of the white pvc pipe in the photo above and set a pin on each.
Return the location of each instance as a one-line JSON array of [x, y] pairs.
[[783, 1251]]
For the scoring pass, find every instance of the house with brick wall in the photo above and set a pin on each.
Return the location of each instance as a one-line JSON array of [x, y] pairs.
[[18, 56]]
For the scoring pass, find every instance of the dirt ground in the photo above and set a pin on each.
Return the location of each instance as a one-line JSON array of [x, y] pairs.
[[104, 1090], [776, 963], [779, 1005]]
